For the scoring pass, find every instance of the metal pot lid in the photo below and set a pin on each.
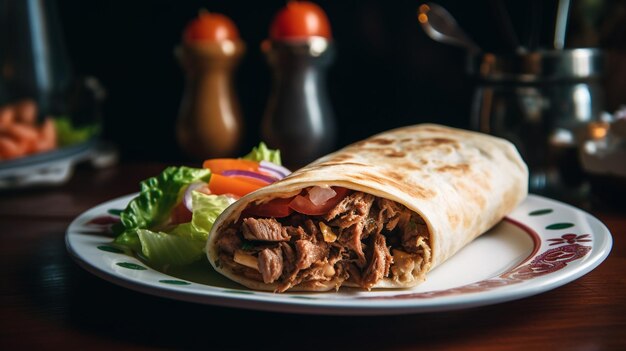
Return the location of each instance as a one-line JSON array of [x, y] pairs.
[[539, 66]]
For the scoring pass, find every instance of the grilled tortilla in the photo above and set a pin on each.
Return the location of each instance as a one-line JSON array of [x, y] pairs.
[[406, 200]]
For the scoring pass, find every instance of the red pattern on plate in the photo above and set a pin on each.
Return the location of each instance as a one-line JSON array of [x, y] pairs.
[[104, 221], [570, 239]]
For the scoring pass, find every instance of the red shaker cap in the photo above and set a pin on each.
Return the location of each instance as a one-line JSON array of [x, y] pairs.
[[300, 20], [210, 27]]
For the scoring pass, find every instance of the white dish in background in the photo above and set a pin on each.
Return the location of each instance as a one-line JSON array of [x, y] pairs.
[[542, 245], [54, 167]]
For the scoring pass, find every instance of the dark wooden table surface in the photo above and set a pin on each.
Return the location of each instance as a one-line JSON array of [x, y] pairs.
[[48, 302]]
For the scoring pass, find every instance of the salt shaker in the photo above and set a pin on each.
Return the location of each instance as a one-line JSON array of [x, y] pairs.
[[209, 122], [298, 119]]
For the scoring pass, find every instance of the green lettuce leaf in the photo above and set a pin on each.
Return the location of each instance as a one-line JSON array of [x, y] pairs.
[[152, 207], [184, 243], [263, 153], [162, 249], [206, 209]]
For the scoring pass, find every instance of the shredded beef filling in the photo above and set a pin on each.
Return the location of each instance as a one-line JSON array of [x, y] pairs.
[[264, 230], [361, 240]]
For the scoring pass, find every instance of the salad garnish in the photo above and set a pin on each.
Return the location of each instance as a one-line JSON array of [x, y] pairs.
[[168, 222]]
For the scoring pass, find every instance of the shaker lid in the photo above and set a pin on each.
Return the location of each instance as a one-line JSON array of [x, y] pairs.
[[542, 65]]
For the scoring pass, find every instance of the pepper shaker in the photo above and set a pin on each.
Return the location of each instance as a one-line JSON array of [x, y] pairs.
[[209, 122], [299, 119]]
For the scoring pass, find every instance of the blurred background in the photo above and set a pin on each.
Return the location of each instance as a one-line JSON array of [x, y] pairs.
[[387, 72]]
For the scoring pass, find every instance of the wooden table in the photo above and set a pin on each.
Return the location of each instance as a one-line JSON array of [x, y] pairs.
[[48, 302]]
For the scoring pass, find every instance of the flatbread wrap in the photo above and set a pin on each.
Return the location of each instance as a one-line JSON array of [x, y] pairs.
[[380, 213]]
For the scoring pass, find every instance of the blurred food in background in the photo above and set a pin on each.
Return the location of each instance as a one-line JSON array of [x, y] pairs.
[[50, 117], [21, 134], [44, 106]]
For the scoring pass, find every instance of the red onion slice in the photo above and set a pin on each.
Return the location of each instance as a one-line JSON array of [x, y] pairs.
[[319, 195], [242, 173], [268, 166], [271, 173], [187, 197]]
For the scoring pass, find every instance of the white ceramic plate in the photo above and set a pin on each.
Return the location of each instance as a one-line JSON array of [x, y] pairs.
[[542, 245]]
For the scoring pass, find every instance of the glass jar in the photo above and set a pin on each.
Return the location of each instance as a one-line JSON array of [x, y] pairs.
[[50, 118]]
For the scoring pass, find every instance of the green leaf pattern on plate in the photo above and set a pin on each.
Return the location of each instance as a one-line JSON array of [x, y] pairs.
[[557, 226], [174, 282], [541, 212], [130, 265], [554, 226], [112, 249], [240, 292]]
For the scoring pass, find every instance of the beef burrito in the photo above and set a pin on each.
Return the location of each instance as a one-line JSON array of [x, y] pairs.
[[380, 213]]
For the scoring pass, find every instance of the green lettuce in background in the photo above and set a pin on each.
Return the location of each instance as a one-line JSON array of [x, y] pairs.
[[263, 153], [68, 134]]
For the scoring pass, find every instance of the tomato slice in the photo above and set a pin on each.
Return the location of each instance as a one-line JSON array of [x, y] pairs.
[[251, 180], [283, 207], [219, 185], [276, 208], [181, 214], [219, 165], [303, 205]]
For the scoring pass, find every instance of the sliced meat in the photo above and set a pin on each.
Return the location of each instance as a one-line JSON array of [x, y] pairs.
[[252, 274], [229, 241], [308, 231], [270, 264], [289, 267], [351, 239], [289, 258], [296, 264], [308, 253], [379, 262], [351, 216], [390, 212], [385, 215], [314, 233], [264, 229], [352, 209], [412, 230], [321, 271], [227, 261], [341, 272], [342, 207], [291, 251], [358, 216], [403, 265], [296, 232], [335, 255], [350, 271]]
